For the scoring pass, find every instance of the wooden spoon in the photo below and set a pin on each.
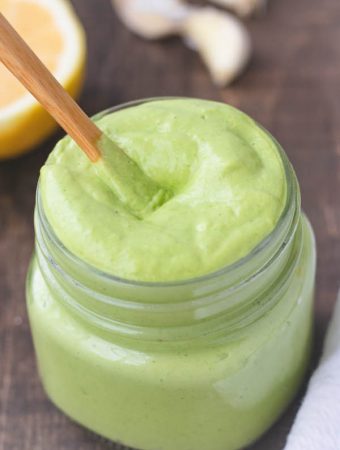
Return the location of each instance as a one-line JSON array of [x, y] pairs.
[[19, 59], [116, 169]]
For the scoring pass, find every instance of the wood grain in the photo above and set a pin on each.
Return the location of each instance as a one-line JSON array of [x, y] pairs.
[[24, 64], [292, 88]]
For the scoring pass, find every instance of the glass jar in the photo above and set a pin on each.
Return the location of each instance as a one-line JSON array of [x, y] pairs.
[[206, 363]]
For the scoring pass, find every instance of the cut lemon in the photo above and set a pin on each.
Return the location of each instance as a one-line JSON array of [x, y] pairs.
[[54, 32]]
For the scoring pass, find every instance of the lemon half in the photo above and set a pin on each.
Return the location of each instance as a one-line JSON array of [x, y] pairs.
[[54, 32]]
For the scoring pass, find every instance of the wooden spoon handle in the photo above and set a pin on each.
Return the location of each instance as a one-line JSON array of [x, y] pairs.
[[18, 57]]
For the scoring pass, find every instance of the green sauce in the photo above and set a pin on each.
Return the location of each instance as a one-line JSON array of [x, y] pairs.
[[222, 178], [184, 366]]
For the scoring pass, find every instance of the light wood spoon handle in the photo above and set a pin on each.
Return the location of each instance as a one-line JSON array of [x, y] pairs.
[[19, 59]]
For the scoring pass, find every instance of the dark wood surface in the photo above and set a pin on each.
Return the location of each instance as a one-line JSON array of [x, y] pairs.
[[292, 87]]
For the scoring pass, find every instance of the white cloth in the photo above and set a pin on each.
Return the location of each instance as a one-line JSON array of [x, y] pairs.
[[317, 424]]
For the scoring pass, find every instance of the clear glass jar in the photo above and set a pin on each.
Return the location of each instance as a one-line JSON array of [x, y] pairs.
[[206, 363]]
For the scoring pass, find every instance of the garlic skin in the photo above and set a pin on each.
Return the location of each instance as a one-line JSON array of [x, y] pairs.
[[152, 19], [243, 8], [222, 41]]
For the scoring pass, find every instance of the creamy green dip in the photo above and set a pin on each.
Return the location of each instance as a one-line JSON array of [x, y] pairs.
[[193, 365], [220, 174]]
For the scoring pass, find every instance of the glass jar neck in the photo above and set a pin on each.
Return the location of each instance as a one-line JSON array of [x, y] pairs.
[[216, 305]]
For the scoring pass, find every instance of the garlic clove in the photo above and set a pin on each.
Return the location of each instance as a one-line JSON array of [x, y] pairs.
[[222, 41], [152, 19], [243, 8], [219, 37]]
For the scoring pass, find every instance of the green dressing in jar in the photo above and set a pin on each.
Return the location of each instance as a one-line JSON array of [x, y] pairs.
[[187, 327]]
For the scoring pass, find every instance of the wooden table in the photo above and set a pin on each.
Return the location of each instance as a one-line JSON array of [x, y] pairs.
[[292, 87]]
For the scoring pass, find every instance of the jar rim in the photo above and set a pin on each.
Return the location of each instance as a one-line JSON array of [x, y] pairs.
[[291, 205]]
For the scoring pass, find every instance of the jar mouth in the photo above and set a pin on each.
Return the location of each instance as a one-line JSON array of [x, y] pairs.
[[282, 232]]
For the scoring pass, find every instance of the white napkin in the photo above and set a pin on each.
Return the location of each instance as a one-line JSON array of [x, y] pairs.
[[317, 424]]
